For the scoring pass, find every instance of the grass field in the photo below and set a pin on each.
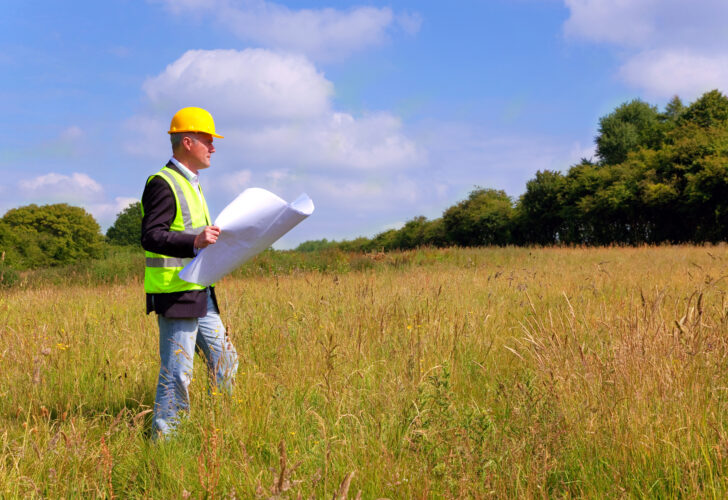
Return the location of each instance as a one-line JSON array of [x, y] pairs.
[[468, 373]]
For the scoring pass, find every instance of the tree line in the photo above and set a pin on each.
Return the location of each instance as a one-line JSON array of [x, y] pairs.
[[658, 177]]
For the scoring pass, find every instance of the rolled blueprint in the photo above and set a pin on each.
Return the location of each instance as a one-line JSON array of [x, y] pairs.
[[248, 225]]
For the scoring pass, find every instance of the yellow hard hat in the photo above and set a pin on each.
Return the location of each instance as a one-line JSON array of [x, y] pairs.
[[193, 120]]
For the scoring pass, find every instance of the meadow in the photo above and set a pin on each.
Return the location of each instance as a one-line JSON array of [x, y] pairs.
[[435, 373]]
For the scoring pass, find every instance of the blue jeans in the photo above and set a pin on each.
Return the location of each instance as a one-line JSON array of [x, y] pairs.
[[177, 340]]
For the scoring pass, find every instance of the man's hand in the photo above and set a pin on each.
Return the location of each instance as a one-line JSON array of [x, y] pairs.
[[208, 236]]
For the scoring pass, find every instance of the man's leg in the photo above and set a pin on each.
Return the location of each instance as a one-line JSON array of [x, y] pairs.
[[176, 350], [219, 352]]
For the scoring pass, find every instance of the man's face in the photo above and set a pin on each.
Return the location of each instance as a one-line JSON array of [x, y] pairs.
[[200, 149]]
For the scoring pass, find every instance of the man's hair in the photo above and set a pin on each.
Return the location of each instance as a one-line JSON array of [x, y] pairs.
[[176, 138]]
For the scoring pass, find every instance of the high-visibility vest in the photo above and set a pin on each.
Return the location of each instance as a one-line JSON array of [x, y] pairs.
[[161, 274]]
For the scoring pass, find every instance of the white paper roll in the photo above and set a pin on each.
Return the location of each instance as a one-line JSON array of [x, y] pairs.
[[248, 225]]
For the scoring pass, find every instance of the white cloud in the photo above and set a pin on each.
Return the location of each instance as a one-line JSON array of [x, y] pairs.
[[234, 182], [322, 34], [105, 212], [649, 24], [251, 85], [680, 72], [624, 22], [339, 141], [76, 189], [668, 46], [275, 111], [58, 187]]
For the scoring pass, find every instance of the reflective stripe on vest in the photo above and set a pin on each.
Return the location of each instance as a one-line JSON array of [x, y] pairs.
[[161, 274], [166, 262]]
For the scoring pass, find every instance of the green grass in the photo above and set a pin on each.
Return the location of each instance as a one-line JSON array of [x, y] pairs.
[[467, 373], [125, 264]]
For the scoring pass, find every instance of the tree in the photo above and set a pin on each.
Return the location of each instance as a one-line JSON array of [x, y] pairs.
[[711, 109], [385, 240], [539, 209], [674, 109], [9, 245], [692, 167], [9, 257], [580, 184], [360, 244], [483, 219], [315, 245], [412, 234], [50, 235], [632, 125], [435, 233], [127, 229]]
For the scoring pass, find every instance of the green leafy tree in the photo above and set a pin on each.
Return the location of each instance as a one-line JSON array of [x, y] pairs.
[[412, 234], [50, 235], [435, 233], [689, 173], [385, 240], [315, 245], [602, 204], [360, 244], [580, 184], [9, 256], [539, 209], [711, 109], [632, 125], [674, 110], [616, 214], [127, 229], [9, 245], [483, 219], [706, 194]]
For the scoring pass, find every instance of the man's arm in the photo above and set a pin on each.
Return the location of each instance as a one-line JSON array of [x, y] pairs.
[[159, 212]]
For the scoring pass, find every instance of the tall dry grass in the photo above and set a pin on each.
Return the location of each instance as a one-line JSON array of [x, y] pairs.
[[526, 373]]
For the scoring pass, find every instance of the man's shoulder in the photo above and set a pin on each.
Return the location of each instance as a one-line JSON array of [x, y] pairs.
[[155, 190], [155, 182]]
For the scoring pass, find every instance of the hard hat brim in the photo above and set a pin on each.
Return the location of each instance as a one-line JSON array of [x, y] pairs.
[[195, 132]]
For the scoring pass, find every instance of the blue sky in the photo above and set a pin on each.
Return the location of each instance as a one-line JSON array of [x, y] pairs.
[[380, 111]]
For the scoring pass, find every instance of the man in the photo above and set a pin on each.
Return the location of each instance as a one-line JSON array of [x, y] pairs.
[[175, 226]]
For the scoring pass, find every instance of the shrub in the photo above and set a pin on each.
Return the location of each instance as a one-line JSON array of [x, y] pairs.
[[50, 235], [127, 229]]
